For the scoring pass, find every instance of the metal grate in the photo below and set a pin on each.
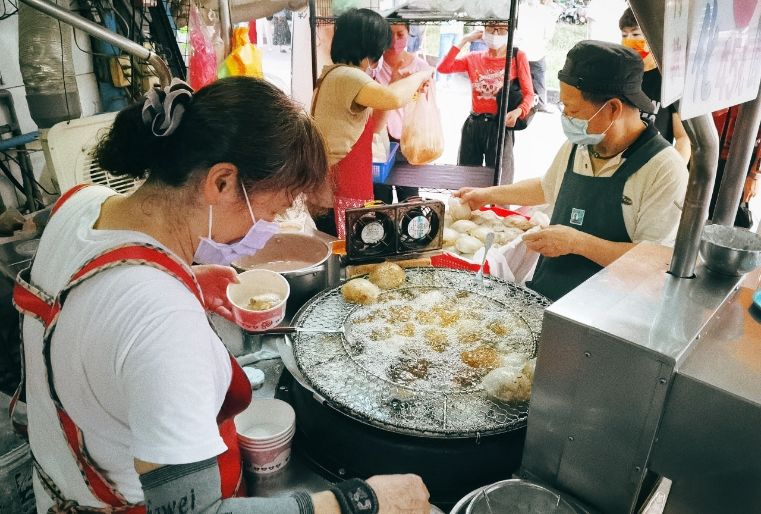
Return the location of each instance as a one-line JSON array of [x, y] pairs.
[[91, 173], [334, 366]]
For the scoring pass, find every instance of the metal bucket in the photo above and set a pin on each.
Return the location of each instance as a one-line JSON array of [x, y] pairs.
[[306, 262], [519, 497]]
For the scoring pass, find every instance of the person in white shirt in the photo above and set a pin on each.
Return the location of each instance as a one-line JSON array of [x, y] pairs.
[[615, 183], [130, 393]]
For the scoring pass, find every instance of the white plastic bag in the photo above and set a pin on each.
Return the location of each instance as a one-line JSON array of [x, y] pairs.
[[514, 262], [422, 138]]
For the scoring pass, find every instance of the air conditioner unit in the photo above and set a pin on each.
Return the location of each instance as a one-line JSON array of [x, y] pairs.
[[68, 151]]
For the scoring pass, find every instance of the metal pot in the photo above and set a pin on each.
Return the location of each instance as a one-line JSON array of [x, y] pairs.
[[518, 496], [730, 250], [306, 262]]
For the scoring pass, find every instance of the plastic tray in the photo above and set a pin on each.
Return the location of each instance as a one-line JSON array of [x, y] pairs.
[[382, 169]]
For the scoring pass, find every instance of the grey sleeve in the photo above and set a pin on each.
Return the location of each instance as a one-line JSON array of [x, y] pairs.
[[195, 488]]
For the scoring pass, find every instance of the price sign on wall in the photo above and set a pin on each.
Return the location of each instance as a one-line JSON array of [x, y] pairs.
[[674, 62], [723, 55]]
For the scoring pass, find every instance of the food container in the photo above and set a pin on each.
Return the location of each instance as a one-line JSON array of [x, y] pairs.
[[306, 262], [730, 250], [253, 283], [265, 431]]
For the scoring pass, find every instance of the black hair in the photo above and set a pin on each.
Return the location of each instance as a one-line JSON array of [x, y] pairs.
[[360, 34], [399, 21], [628, 20], [601, 98], [241, 120]]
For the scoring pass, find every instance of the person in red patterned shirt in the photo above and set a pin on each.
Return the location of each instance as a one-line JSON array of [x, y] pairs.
[[486, 70], [725, 120]]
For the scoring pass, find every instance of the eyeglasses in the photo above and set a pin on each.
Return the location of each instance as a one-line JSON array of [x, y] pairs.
[[500, 31]]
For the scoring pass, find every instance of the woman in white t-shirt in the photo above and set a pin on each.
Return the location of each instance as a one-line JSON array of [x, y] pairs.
[[344, 101], [130, 393]]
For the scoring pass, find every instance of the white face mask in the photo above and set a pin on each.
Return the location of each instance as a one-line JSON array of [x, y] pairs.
[[213, 252], [494, 41]]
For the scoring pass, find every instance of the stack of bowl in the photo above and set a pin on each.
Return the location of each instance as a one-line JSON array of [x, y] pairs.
[[265, 431]]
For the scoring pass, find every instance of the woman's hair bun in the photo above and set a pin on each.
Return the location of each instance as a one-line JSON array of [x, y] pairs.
[[129, 148]]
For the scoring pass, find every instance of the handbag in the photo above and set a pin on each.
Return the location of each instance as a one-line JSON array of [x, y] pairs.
[[744, 217], [514, 99]]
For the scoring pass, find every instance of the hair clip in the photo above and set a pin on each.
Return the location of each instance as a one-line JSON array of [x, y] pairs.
[[163, 108]]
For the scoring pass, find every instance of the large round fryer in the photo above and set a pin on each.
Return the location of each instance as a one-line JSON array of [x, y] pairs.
[[335, 365], [344, 440]]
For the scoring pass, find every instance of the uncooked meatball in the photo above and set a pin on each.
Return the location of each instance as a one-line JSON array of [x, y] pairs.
[[518, 222], [360, 290], [458, 210], [468, 244], [463, 226], [387, 276], [450, 236]]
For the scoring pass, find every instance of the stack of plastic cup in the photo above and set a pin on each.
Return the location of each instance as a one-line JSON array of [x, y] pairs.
[[265, 431]]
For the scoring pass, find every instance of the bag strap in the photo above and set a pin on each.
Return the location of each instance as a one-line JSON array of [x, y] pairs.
[[318, 87]]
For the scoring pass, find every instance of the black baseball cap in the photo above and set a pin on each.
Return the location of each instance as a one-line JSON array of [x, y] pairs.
[[606, 68]]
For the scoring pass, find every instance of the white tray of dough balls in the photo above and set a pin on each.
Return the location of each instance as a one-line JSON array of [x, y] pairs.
[[465, 230]]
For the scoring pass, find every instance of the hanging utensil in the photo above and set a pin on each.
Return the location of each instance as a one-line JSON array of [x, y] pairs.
[[487, 245], [301, 330]]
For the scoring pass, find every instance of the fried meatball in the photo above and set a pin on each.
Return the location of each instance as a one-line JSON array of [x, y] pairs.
[[360, 290], [387, 276]]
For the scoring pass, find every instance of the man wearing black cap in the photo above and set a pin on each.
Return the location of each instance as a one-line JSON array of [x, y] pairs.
[[615, 183]]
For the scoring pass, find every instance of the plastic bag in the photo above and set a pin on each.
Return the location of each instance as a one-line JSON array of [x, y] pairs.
[[422, 136], [203, 60], [514, 262], [244, 60]]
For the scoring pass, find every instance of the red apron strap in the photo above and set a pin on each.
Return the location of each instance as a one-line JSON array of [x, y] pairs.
[[138, 254], [29, 301], [64, 197]]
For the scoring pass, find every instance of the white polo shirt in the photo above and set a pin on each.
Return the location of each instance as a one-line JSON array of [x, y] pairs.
[[656, 191]]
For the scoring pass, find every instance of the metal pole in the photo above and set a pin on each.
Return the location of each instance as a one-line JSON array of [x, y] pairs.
[[505, 94], [96, 31], [225, 25], [705, 155], [736, 167], [313, 35], [650, 16]]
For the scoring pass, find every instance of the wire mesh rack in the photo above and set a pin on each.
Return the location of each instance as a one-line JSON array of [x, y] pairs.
[[347, 369]]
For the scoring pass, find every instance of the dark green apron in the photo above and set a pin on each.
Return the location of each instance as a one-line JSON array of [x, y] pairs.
[[593, 205]]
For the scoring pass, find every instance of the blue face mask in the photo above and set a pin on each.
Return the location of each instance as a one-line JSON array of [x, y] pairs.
[[576, 130], [212, 252]]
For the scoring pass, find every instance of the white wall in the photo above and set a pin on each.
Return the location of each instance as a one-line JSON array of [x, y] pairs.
[[12, 81]]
